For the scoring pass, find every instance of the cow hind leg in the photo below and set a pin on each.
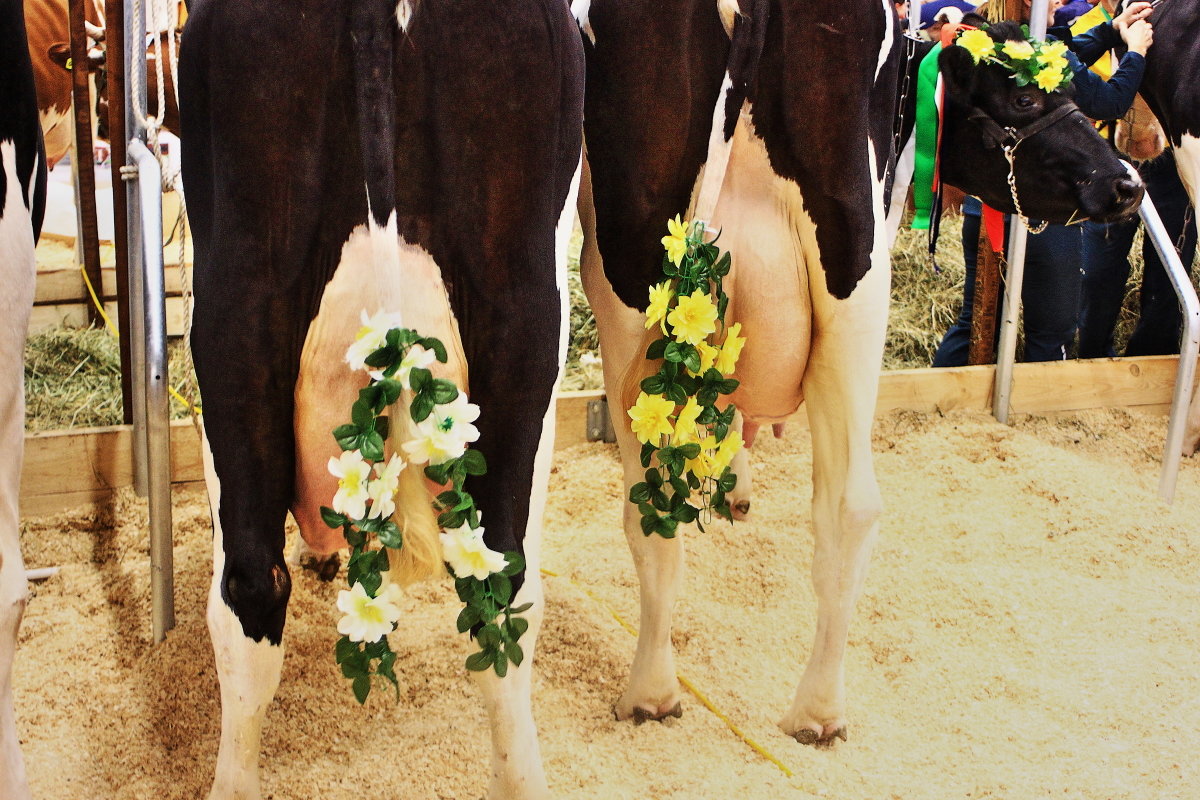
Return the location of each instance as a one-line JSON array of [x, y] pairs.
[[840, 387], [1187, 160], [653, 691], [247, 600], [17, 263]]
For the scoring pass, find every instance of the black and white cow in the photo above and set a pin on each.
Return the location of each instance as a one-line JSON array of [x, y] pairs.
[[22, 203], [1171, 87], [429, 168], [802, 212]]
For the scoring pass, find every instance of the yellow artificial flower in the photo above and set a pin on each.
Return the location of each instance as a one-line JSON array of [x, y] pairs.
[[731, 350], [977, 43], [651, 418], [1018, 51], [726, 450], [685, 423], [694, 319], [701, 465], [676, 242], [660, 299], [708, 357], [1052, 50], [1048, 79]]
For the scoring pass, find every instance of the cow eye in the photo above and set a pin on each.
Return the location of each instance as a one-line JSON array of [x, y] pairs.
[[1025, 101]]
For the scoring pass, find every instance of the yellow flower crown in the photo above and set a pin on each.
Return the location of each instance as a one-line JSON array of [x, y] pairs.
[[1044, 64]]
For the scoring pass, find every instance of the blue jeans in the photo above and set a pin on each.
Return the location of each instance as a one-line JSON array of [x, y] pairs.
[[1106, 271], [1049, 294]]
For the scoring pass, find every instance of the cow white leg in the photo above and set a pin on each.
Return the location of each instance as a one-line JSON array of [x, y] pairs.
[[1187, 160], [653, 690], [840, 387], [516, 762], [248, 672], [16, 298]]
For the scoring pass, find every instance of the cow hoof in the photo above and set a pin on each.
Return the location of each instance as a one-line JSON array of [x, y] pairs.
[[741, 509], [641, 715], [820, 739], [326, 569]]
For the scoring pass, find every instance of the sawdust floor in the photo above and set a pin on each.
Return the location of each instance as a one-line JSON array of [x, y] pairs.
[[1029, 629]]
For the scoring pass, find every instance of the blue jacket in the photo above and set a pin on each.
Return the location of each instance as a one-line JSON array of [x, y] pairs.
[[1097, 98]]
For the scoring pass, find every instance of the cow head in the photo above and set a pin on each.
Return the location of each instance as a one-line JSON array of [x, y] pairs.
[[1063, 170]]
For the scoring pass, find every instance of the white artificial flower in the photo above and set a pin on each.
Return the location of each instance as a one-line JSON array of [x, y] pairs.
[[382, 490], [464, 550], [368, 619], [371, 336], [417, 357], [445, 433], [353, 474]]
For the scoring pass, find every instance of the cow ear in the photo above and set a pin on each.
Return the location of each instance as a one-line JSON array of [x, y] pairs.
[[958, 70], [59, 53]]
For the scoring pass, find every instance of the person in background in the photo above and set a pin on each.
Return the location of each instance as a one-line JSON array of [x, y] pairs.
[[1106, 245], [1053, 259]]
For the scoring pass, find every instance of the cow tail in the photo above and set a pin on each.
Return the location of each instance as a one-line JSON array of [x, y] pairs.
[[421, 555], [748, 38], [374, 30]]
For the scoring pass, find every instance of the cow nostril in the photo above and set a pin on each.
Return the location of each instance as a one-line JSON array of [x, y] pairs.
[[1127, 190]]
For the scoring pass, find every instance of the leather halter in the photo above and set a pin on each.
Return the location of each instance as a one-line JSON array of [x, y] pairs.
[[1007, 138]]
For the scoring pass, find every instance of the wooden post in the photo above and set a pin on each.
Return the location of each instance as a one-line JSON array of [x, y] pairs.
[[114, 28], [986, 302], [89, 232]]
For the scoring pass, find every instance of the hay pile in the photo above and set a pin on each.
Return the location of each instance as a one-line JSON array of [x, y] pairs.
[[1029, 629]]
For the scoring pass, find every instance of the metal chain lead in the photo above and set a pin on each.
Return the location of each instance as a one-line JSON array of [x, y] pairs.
[[1009, 155]]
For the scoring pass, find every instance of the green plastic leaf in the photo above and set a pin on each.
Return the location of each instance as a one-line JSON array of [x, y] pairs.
[[647, 453], [654, 478], [638, 493], [466, 618], [521, 608], [514, 652], [649, 524], [673, 352], [691, 357], [362, 688], [689, 450], [443, 391], [439, 349], [345, 649], [419, 378], [372, 446], [500, 666], [516, 564], [686, 513], [501, 588], [383, 426], [422, 407], [474, 463], [391, 536], [389, 390], [655, 384], [489, 636], [383, 357], [516, 627], [346, 436], [332, 518], [656, 349]]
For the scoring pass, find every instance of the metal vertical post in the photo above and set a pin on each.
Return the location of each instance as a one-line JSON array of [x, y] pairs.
[[1189, 344], [148, 336], [1015, 276]]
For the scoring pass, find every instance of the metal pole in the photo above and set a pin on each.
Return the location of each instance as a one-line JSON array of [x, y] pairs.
[[914, 17], [1189, 345], [135, 80], [153, 383], [152, 444], [1016, 269], [1009, 314]]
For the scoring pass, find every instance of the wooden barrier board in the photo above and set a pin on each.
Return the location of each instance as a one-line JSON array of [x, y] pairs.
[[64, 469]]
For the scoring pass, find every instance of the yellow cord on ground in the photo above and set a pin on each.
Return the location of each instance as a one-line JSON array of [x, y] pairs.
[[108, 323], [687, 684]]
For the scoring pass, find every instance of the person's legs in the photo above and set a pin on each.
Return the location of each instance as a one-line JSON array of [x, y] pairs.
[[1105, 273], [956, 344], [1157, 331], [1050, 293]]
